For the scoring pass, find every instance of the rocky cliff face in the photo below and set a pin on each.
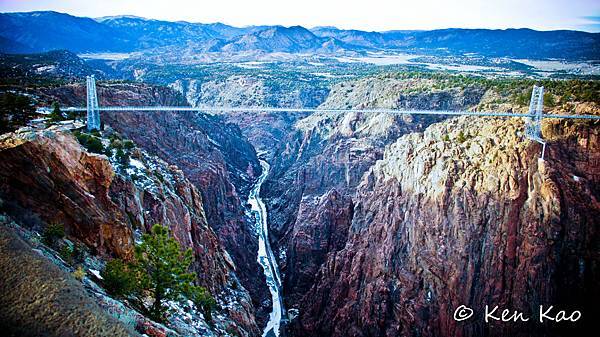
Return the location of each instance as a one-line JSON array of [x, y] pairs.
[[313, 179], [212, 153], [47, 177], [310, 188], [65, 185], [407, 94], [438, 224], [400, 230], [246, 90]]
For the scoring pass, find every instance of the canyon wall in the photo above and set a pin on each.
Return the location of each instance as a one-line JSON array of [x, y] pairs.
[[47, 177], [384, 225], [438, 224], [212, 153]]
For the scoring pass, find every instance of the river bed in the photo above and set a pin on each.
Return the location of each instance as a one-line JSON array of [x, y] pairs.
[[265, 255]]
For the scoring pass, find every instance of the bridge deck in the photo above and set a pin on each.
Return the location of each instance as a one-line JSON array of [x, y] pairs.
[[300, 110]]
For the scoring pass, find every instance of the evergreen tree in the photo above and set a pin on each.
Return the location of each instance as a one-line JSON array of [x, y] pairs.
[[160, 271], [56, 115], [15, 111], [163, 268]]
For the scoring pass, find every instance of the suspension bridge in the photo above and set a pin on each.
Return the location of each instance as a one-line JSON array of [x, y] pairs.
[[533, 122]]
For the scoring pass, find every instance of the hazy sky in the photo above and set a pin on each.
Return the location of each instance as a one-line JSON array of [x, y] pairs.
[[359, 14]]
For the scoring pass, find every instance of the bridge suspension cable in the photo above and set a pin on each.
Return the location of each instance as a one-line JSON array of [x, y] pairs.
[[533, 126]]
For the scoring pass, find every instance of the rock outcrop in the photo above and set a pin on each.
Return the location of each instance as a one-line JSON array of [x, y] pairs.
[[212, 154], [63, 308], [440, 223], [47, 177], [422, 222], [251, 90]]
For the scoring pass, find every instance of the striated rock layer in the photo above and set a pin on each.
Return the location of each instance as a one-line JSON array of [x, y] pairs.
[[438, 223], [212, 154], [47, 177], [378, 235]]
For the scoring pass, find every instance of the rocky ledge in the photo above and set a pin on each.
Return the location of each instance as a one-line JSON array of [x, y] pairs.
[[48, 177]]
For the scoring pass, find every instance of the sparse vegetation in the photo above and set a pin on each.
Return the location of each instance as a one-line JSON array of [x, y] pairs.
[[91, 142], [461, 137], [122, 157], [128, 144], [53, 233], [118, 278], [160, 272], [15, 111], [204, 301], [79, 273], [66, 253]]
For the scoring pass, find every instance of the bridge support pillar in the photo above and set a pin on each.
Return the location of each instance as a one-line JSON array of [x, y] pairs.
[[93, 113], [533, 125]]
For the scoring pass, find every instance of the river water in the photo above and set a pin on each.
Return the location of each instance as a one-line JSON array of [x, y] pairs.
[[265, 255]]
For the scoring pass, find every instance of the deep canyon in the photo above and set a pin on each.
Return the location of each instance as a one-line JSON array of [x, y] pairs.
[[380, 224]]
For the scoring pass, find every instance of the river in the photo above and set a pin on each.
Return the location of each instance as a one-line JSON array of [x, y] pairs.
[[265, 255]]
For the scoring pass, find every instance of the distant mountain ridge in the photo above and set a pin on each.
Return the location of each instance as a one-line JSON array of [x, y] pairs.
[[44, 31]]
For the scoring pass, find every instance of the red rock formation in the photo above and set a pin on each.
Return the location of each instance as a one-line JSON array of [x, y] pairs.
[[207, 153], [438, 224], [48, 176], [211, 153], [52, 177]]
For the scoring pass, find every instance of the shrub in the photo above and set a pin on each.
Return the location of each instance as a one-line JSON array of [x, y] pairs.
[[446, 138], [204, 301], [53, 233], [117, 278], [122, 157], [549, 100], [461, 137], [66, 253], [91, 143], [128, 144], [95, 145], [116, 144], [79, 273]]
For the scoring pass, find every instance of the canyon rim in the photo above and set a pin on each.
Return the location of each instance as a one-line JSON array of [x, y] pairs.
[[165, 177]]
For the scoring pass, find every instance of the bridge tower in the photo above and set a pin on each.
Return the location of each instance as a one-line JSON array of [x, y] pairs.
[[93, 113], [533, 125]]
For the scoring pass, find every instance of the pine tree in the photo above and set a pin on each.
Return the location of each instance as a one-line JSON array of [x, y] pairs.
[[163, 268], [56, 115], [159, 271]]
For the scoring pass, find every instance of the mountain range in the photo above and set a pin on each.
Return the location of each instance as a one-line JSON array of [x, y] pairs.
[[44, 31]]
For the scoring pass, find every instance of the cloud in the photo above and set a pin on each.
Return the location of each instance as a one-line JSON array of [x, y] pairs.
[[591, 23]]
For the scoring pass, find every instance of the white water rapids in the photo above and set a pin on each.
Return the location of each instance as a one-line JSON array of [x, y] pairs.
[[265, 255]]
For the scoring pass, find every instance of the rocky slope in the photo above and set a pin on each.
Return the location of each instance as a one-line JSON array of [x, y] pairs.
[[320, 163], [213, 155], [250, 90], [64, 308], [46, 177], [441, 223], [386, 91], [379, 243]]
